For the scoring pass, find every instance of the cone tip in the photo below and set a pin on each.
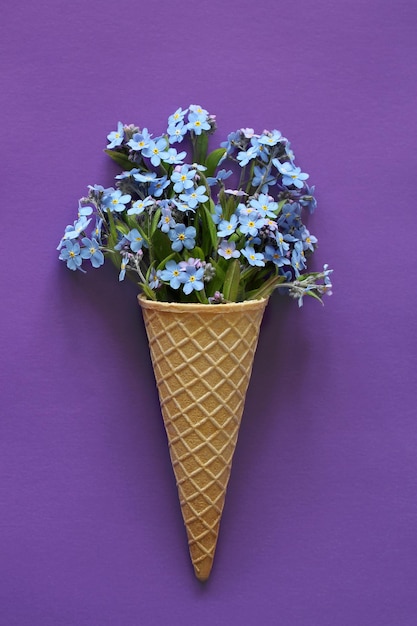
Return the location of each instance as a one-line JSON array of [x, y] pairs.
[[202, 570]]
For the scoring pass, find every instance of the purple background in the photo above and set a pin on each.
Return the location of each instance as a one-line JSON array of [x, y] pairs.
[[319, 526]]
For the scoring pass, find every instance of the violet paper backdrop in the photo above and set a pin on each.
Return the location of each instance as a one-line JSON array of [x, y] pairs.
[[319, 527]]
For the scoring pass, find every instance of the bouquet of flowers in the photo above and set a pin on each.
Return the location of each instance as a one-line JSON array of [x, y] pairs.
[[193, 226]]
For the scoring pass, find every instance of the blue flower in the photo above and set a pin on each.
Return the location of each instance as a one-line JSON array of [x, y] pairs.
[[264, 205], [197, 196], [283, 241], [228, 250], [250, 225], [166, 222], [260, 176], [193, 279], [140, 141], [136, 240], [173, 157], [117, 201], [245, 156], [271, 138], [176, 132], [123, 265], [75, 230], [254, 258], [157, 186], [155, 151], [139, 206], [182, 237], [232, 140], [274, 255], [308, 240], [291, 175], [172, 274], [298, 260], [144, 177], [308, 200], [198, 122], [92, 251], [116, 137], [176, 117], [227, 227], [97, 229], [182, 178], [221, 175], [71, 254]]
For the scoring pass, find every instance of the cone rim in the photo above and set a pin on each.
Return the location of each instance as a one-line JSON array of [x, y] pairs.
[[188, 307]]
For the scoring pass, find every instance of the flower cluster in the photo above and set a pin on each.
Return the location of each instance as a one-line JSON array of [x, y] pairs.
[[184, 234]]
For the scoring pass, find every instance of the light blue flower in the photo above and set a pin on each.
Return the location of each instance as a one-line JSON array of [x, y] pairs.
[[251, 225], [227, 227], [245, 156], [182, 178], [183, 206], [123, 265], [92, 251], [96, 233], [166, 222], [308, 200], [140, 141], [274, 255], [260, 176], [228, 250], [84, 210], [254, 258], [73, 231], [270, 138], [233, 140], [283, 241], [217, 216], [173, 157], [136, 240], [220, 176], [157, 186], [264, 205], [172, 274], [116, 137], [308, 240], [128, 174], [262, 150], [178, 116], [197, 196], [198, 122], [193, 279], [291, 175], [182, 237], [298, 260], [155, 151], [139, 206], [117, 201], [176, 132], [144, 177], [71, 254]]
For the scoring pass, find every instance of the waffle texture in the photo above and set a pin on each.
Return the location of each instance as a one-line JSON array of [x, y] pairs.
[[202, 357]]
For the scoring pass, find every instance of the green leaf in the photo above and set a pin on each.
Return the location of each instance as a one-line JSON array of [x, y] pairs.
[[200, 148], [208, 231], [231, 281], [161, 245], [121, 159], [148, 291], [266, 289], [212, 161]]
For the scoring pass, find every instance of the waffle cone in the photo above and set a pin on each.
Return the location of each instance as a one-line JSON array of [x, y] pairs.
[[202, 357]]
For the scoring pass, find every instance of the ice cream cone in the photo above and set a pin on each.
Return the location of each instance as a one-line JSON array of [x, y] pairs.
[[202, 357]]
